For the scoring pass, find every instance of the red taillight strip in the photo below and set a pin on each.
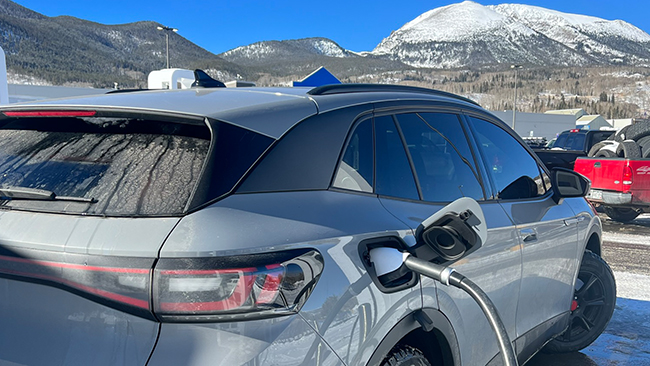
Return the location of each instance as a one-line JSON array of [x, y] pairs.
[[74, 266], [49, 113], [109, 295], [192, 272]]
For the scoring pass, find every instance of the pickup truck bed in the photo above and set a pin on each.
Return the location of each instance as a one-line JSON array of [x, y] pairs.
[[621, 186], [570, 145]]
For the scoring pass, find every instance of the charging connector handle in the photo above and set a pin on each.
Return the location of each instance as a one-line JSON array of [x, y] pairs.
[[448, 276]]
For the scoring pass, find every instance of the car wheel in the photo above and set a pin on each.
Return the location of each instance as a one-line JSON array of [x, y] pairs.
[[620, 214], [592, 306], [603, 153], [405, 356], [636, 131], [629, 149], [594, 149], [644, 143]]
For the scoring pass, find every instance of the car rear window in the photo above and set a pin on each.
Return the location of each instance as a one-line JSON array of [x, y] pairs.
[[109, 166]]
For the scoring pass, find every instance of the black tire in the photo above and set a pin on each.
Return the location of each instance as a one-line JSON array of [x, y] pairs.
[[644, 144], [637, 131], [405, 356], [595, 298], [622, 134], [594, 149], [621, 214], [628, 149], [602, 153]]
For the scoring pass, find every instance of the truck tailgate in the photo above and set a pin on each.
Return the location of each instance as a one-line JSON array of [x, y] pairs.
[[604, 174], [619, 175]]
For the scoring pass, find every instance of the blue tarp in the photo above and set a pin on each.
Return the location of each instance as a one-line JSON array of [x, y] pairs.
[[318, 78]]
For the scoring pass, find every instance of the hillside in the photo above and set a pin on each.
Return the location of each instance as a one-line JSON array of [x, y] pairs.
[[64, 50]]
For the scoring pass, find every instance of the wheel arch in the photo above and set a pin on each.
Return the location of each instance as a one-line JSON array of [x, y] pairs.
[[410, 331], [594, 243]]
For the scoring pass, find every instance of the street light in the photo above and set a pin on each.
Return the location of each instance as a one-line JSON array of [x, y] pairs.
[[163, 28], [514, 105]]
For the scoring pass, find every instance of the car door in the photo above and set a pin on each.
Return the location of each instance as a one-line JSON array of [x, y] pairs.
[[547, 230], [423, 162]]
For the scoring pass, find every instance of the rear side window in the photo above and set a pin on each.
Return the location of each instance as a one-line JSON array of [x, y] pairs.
[[394, 175], [102, 166], [441, 156], [355, 171]]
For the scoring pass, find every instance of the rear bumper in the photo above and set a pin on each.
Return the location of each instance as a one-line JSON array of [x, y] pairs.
[[609, 198]]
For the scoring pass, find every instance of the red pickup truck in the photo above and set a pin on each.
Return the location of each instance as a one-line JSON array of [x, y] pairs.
[[621, 186]]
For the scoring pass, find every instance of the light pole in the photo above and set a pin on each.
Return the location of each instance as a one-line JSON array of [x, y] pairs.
[[514, 105], [167, 29]]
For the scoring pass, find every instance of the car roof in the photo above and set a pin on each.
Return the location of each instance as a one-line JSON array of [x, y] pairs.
[[281, 107]]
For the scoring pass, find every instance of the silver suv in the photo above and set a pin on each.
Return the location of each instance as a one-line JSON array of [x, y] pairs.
[[232, 227]]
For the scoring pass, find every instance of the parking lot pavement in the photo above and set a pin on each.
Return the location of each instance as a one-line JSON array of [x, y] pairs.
[[626, 341]]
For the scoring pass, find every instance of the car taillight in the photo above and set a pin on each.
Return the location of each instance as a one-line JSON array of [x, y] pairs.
[[119, 282], [627, 178], [234, 288]]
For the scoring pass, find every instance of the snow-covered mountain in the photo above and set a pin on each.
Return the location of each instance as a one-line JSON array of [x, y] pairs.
[[470, 34], [302, 56], [291, 50]]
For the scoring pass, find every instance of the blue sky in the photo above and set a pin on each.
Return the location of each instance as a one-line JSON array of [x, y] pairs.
[[357, 25]]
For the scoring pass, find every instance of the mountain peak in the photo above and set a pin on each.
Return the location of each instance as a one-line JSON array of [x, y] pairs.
[[470, 34]]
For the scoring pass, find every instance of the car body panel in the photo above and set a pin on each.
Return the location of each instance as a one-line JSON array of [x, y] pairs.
[[495, 267], [346, 309], [118, 236], [549, 247], [300, 217], [241, 107], [282, 341], [65, 323], [43, 325]]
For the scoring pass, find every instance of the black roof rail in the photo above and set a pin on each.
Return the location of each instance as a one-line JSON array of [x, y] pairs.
[[359, 88]]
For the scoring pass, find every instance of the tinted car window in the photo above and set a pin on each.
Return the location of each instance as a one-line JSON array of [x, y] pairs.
[[597, 137], [441, 156], [561, 140], [514, 171], [576, 141], [355, 170], [394, 175], [129, 167]]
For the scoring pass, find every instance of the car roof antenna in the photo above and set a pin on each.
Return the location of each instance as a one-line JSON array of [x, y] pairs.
[[203, 80]]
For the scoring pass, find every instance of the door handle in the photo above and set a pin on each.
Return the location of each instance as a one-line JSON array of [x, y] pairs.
[[575, 220], [528, 235]]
